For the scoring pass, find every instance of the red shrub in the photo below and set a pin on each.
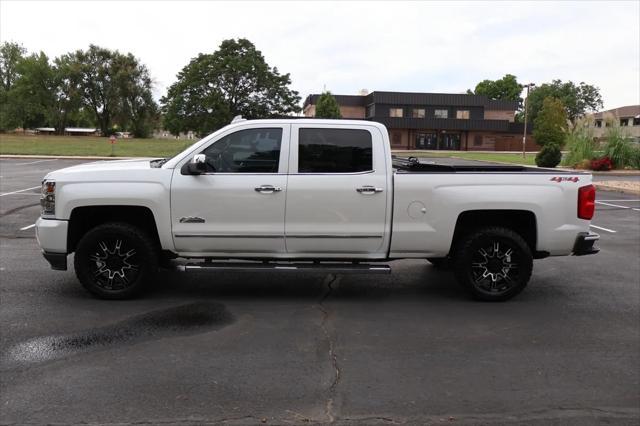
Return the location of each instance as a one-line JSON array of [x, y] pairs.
[[601, 164]]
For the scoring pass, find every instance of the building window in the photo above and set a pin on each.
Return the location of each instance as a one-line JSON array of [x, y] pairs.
[[462, 114], [395, 112], [334, 151], [636, 121], [442, 113], [624, 122], [598, 123], [418, 113], [477, 140]]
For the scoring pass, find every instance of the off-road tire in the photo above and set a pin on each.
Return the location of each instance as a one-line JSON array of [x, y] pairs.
[[124, 274], [489, 277]]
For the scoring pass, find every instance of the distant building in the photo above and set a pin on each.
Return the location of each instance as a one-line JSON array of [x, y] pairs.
[[81, 131], [437, 121], [45, 130], [626, 116], [165, 134]]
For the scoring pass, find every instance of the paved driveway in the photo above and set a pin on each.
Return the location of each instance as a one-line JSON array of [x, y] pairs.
[[301, 348]]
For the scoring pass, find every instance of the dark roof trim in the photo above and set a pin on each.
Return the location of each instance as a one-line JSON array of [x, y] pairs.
[[343, 100], [408, 98]]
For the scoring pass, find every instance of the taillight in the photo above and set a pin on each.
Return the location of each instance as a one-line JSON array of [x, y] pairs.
[[586, 202]]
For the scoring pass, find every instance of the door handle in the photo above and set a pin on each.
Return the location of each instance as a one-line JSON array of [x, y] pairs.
[[368, 190], [267, 189]]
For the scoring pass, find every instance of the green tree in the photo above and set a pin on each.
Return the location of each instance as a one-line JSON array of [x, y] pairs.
[[113, 86], [327, 106], [138, 112], [507, 88], [10, 56], [31, 97], [550, 125], [234, 80], [68, 109], [577, 99]]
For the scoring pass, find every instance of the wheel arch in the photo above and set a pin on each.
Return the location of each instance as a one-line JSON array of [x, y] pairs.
[[82, 219], [523, 222]]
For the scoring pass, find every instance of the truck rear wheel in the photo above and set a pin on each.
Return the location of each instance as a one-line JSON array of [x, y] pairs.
[[115, 260], [493, 264]]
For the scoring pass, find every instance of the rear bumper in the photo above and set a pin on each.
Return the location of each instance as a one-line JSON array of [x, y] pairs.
[[585, 244]]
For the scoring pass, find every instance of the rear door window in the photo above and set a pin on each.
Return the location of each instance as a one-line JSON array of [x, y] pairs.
[[334, 151]]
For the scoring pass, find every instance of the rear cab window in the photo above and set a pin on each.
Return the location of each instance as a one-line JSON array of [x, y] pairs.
[[326, 150]]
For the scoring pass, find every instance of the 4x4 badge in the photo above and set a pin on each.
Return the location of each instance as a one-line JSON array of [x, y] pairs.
[[565, 179]]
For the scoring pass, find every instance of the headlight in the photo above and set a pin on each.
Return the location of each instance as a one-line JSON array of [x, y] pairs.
[[48, 198]]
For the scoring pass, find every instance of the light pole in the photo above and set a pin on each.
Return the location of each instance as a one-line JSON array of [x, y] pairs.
[[524, 135]]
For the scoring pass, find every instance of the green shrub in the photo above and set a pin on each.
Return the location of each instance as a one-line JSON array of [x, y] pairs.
[[580, 145], [635, 157], [549, 156], [618, 147]]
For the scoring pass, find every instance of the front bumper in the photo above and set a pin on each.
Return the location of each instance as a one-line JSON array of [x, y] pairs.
[[585, 244], [52, 238], [58, 261]]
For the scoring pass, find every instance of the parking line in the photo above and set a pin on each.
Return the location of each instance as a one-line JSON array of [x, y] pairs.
[[617, 205], [33, 162], [603, 229], [27, 227], [20, 190], [621, 201]]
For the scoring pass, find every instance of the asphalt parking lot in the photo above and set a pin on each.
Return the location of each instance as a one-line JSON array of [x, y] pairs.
[[277, 348]]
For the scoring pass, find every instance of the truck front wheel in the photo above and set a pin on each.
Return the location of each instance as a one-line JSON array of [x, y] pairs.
[[115, 260], [493, 264]]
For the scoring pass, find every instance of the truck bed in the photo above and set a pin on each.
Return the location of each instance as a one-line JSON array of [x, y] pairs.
[[454, 165]]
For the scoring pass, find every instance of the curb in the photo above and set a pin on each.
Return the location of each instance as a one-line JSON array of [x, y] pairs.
[[617, 173], [602, 187], [65, 157]]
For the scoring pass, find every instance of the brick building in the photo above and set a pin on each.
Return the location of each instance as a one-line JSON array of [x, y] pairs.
[[437, 121]]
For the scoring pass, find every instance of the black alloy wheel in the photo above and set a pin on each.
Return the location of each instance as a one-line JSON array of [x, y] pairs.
[[115, 260], [494, 264]]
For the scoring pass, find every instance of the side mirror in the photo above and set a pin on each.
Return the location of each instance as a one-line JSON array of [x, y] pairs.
[[196, 166]]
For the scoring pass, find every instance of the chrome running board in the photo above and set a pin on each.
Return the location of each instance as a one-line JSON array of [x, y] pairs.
[[337, 268]]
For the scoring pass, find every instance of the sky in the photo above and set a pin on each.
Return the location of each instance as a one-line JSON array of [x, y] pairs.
[[345, 47]]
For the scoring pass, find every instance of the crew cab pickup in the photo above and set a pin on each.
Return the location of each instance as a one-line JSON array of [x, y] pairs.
[[297, 194]]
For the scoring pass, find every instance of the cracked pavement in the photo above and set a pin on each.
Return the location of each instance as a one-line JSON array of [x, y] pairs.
[[307, 348]]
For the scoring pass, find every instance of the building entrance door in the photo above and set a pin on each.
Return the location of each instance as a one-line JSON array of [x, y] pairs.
[[449, 141], [426, 140]]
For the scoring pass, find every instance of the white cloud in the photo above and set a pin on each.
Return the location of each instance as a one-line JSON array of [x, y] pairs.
[[347, 46]]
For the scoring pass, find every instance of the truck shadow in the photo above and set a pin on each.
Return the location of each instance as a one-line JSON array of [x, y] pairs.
[[409, 279]]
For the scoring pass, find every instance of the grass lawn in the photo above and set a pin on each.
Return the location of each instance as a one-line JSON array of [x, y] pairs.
[[89, 146], [515, 158], [95, 146]]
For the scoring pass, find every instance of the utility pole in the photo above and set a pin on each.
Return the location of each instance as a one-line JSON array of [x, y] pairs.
[[524, 135]]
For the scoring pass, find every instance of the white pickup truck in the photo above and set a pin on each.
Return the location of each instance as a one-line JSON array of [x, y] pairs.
[[299, 194]]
